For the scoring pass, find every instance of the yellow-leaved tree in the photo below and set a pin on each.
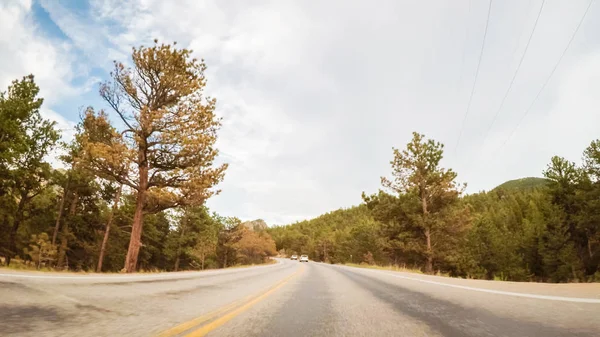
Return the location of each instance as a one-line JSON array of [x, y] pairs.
[[165, 151]]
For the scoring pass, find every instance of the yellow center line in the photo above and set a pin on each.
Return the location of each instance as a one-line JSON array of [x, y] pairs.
[[227, 317], [241, 307], [201, 319]]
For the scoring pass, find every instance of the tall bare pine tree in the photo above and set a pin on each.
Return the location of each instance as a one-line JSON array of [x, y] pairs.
[[168, 137]]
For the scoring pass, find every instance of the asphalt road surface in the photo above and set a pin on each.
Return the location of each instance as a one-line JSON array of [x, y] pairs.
[[291, 299]]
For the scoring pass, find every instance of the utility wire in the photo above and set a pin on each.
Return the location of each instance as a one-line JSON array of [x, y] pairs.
[[514, 53], [523, 31], [549, 77], [464, 52], [512, 81], [476, 75]]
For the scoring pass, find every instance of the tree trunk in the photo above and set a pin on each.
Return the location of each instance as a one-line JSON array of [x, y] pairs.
[[203, 256], [176, 264], [178, 251], [138, 218], [12, 246], [225, 258], [429, 253], [589, 246], [64, 240], [61, 206], [109, 221], [6, 225], [429, 264]]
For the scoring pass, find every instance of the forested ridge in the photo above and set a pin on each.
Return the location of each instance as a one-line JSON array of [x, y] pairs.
[[533, 229], [132, 186], [524, 183]]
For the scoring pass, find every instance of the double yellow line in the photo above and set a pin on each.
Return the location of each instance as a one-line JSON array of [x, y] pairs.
[[224, 314]]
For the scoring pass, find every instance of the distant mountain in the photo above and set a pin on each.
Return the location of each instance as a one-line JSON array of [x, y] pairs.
[[255, 225], [523, 183]]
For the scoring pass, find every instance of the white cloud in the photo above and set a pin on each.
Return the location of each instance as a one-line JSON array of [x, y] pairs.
[[573, 121], [315, 94], [67, 131], [65, 126], [24, 50]]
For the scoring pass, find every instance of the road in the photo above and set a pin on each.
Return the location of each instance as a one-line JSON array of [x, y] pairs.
[[291, 299]]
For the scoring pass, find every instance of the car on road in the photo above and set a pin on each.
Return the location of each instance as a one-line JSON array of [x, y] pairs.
[[294, 257], [304, 258]]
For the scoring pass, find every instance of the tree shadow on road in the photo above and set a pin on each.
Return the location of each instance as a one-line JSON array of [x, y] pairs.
[[19, 319]]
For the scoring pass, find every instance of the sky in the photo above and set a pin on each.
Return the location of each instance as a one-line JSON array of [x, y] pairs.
[[314, 94]]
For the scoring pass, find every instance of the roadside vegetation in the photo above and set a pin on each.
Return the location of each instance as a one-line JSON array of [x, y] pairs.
[[130, 190], [388, 267], [130, 193], [534, 229]]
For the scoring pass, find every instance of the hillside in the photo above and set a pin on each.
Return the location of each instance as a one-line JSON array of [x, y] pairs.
[[523, 183], [255, 225]]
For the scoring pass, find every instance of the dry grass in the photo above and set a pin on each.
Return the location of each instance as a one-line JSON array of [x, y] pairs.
[[388, 267], [18, 264], [394, 268]]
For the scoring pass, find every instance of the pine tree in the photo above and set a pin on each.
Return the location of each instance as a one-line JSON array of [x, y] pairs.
[[169, 135], [24, 172], [416, 171]]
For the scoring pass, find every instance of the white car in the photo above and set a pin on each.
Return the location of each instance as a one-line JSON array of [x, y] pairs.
[[304, 258], [294, 257]]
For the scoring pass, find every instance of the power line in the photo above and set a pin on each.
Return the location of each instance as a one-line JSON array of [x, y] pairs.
[[549, 77], [514, 53], [476, 74], [464, 52], [512, 81]]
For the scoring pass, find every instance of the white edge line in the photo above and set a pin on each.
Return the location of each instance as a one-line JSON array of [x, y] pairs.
[[483, 290], [138, 277]]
